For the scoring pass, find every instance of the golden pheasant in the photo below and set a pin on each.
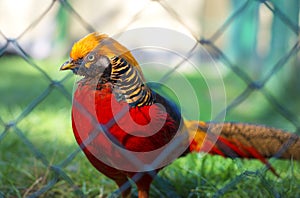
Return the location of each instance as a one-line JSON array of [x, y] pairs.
[[118, 120]]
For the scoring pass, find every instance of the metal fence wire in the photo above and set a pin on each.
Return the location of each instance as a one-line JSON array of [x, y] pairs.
[[270, 70]]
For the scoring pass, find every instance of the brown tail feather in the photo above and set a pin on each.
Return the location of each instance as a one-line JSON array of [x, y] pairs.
[[256, 140]]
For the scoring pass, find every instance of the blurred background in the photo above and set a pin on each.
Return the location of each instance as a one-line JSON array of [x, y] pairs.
[[256, 43]]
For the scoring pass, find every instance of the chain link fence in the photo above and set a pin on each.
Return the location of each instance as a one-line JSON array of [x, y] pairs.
[[276, 69]]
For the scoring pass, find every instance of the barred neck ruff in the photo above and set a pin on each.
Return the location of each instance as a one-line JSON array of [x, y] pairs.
[[128, 85]]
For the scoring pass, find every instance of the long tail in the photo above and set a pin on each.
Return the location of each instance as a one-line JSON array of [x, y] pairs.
[[244, 141]]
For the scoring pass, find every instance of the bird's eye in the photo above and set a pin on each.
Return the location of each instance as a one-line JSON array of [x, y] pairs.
[[91, 57]]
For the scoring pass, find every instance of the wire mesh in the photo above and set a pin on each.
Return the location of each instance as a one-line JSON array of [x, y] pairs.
[[251, 85]]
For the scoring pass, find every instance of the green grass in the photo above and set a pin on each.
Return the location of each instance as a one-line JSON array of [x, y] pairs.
[[48, 127]]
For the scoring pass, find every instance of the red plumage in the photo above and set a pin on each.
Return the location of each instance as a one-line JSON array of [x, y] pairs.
[[135, 130]]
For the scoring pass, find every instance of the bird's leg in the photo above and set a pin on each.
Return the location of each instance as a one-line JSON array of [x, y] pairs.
[[143, 184], [143, 193], [124, 187]]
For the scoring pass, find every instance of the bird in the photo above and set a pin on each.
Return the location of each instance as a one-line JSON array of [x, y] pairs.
[[123, 126]]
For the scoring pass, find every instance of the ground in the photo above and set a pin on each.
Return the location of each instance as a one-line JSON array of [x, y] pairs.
[[43, 135]]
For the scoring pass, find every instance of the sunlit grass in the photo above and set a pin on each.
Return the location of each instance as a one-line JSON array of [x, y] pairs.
[[48, 127]]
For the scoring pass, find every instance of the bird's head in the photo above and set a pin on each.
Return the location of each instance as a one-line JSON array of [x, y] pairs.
[[91, 56]]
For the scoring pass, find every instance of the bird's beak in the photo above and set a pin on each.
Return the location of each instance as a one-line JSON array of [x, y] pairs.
[[67, 65]]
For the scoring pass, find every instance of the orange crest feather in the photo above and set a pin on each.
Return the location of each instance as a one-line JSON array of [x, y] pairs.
[[106, 46], [85, 45]]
